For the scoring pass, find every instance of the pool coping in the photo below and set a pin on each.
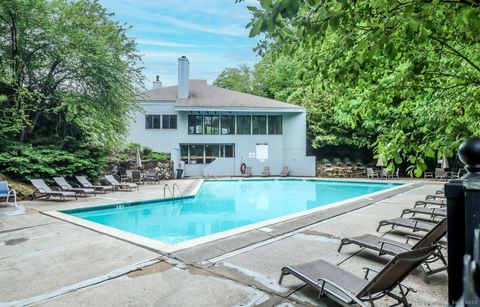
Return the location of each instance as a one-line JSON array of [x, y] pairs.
[[166, 248]]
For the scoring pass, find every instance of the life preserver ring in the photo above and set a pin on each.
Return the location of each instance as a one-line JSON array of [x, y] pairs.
[[243, 168]]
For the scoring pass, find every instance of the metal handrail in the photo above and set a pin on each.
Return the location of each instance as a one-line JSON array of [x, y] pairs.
[[167, 187], [179, 192]]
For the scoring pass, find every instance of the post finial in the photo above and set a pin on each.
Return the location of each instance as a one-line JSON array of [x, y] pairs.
[[469, 153]]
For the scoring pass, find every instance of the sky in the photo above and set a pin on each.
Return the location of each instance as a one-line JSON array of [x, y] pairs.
[[210, 33]]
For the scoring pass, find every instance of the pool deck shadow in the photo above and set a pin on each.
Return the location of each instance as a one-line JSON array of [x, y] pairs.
[[50, 262]]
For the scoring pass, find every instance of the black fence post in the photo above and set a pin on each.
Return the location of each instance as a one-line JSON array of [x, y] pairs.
[[463, 216]]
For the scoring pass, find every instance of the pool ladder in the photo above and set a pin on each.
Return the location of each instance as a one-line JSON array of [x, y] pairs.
[[172, 194]]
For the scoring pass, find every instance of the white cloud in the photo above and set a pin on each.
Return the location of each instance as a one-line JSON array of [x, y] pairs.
[[163, 43], [222, 30]]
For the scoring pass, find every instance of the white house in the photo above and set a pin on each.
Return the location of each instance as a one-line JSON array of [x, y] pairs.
[[211, 131]]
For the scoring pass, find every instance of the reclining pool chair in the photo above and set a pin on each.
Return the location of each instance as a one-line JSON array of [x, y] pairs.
[[433, 212], [124, 185], [415, 225], [65, 186], [45, 191], [347, 288], [441, 202], [386, 246], [5, 192], [87, 184], [285, 171]]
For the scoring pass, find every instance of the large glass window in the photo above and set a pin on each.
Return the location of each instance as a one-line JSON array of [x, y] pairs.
[[244, 124], [211, 152], [259, 124], [196, 154], [195, 124], [275, 124], [227, 124], [228, 151], [169, 121], [184, 153], [211, 123], [152, 121]]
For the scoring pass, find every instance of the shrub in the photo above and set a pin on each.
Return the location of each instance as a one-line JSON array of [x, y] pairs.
[[147, 151], [162, 156], [24, 161]]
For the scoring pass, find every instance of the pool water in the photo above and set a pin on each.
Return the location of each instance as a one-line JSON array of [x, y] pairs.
[[224, 204]]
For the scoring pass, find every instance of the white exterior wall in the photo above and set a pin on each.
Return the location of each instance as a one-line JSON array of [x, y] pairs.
[[288, 149]]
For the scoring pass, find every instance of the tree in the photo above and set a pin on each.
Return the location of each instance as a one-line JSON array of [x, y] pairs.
[[67, 69], [408, 71], [237, 79]]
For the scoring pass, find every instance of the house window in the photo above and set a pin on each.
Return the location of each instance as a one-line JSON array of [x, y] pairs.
[[211, 124], [196, 154], [205, 153], [152, 121], [275, 124], [195, 124], [211, 152], [169, 121], [227, 124], [259, 124], [244, 124]]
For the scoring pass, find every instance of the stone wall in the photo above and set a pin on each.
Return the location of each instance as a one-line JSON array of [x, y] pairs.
[[331, 171], [118, 168]]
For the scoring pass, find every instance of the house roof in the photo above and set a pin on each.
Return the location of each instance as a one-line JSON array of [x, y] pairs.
[[203, 95]]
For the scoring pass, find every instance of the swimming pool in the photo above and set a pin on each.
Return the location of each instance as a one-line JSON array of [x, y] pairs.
[[222, 205]]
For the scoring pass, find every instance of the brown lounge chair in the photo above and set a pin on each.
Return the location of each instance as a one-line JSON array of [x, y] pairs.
[[285, 171], [386, 246], [87, 184], [433, 212], [65, 186], [415, 225], [346, 288], [266, 171], [124, 185], [45, 191]]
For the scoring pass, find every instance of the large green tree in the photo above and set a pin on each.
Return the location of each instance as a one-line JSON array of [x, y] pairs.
[[407, 71], [66, 69]]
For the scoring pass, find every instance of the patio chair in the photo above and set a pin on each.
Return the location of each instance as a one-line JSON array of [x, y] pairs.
[[65, 186], [6, 192], [152, 176], [266, 171], [248, 171], [86, 184], [433, 212], [371, 173], [128, 186], [440, 174], [137, 177], [347, 288], [127, 177], [415, 225], [45, 191], [437, 196], [285, 171], [428, 175], [386, 246], [396, 174]]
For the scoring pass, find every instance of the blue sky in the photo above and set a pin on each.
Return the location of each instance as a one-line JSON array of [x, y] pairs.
[[211, 33]]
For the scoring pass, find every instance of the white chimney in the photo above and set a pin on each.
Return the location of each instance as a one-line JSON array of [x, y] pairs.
[[183, 78], [157, 83]]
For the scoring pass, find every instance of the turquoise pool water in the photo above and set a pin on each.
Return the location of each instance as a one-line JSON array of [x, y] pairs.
[[224, 205]]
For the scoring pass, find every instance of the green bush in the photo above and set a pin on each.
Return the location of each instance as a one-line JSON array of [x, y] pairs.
[[163, 156], [24, 161], [147, 151]]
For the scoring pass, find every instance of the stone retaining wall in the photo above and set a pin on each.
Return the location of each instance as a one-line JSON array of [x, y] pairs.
[[120, 167], [330, 171]]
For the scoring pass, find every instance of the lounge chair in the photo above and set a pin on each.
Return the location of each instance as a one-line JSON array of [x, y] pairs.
[[433, 212], [438, 196], [65, 186], [124, 185], [248, 171], [386, 246], [137, 177], [440, 173], [86, 184], [346, 288], [266, 171], [127, 177], [45, 191], [6, 192], [371, 173], [441, 202], [152, 176], [415, 225], [285, 171]]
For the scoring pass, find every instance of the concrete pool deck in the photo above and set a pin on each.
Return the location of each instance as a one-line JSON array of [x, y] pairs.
[[47, 261]]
